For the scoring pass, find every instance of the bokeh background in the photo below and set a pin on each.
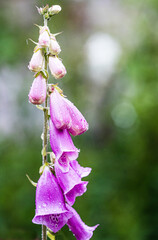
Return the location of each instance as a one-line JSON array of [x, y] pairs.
[[110, 50]]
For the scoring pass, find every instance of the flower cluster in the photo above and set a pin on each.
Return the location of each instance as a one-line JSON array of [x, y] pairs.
[[61, 178]]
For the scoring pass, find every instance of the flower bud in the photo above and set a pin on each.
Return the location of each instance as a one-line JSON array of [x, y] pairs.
[[37, 61], [43, 10], [54, 47], [56, 67], [44, 38], [55, 9], [37, 94]]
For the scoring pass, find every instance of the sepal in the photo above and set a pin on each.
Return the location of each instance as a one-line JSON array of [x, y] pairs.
[[32, 182]]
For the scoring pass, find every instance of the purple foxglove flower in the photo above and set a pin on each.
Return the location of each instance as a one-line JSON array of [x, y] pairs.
[[56, 67], [50, 205], [81, 171], [78, 227], [37, 61], [58, 111], [37, 94], [71, 183], [65, 115], [62, 146], [44, 38], [78, 123], [54, 47]]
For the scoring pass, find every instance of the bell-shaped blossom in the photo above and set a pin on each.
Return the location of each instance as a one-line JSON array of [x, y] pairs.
[[78, 227], [81, 171], [44, 37], [37, 61], [65, 115], [37, 94], [62, 146], [79, 124], [56, 67], [58, 111], [54, 47], [50, 206], [71, 183]]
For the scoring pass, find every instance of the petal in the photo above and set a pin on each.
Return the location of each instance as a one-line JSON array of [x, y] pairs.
[[54, 221], [78, 227], [58, 111], [71, 183], [61, 143], [81, 171], [49, 197], [50, 205], [79, 124]]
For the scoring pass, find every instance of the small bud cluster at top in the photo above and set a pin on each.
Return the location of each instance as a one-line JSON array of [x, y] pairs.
[[61, 178]]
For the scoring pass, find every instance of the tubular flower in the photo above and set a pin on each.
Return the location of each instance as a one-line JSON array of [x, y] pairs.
[[56, 67], [37, 94], [58, 111], [71, 184], [62, 146], [78, 227], [79, 124], [37, 61], [81, 171], [44, 38], [54, 47], [50, 206], [64, 114]]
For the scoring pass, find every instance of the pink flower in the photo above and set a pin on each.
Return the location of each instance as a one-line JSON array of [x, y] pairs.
[[58, 111], [44, 38], [62, 146], [50, 205], [56, 67], [37, 94], [54, 47], [37, 61], [65, 115], [71, 183], [78, 227]]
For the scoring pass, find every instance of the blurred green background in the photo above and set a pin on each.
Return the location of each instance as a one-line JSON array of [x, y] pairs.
[[110, 50]]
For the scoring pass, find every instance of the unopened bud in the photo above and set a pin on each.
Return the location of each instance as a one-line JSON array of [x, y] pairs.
[[43, 10], [56, 67], [55, 9], [37, 94], [37, 61], [54, 47], [44, 38]]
